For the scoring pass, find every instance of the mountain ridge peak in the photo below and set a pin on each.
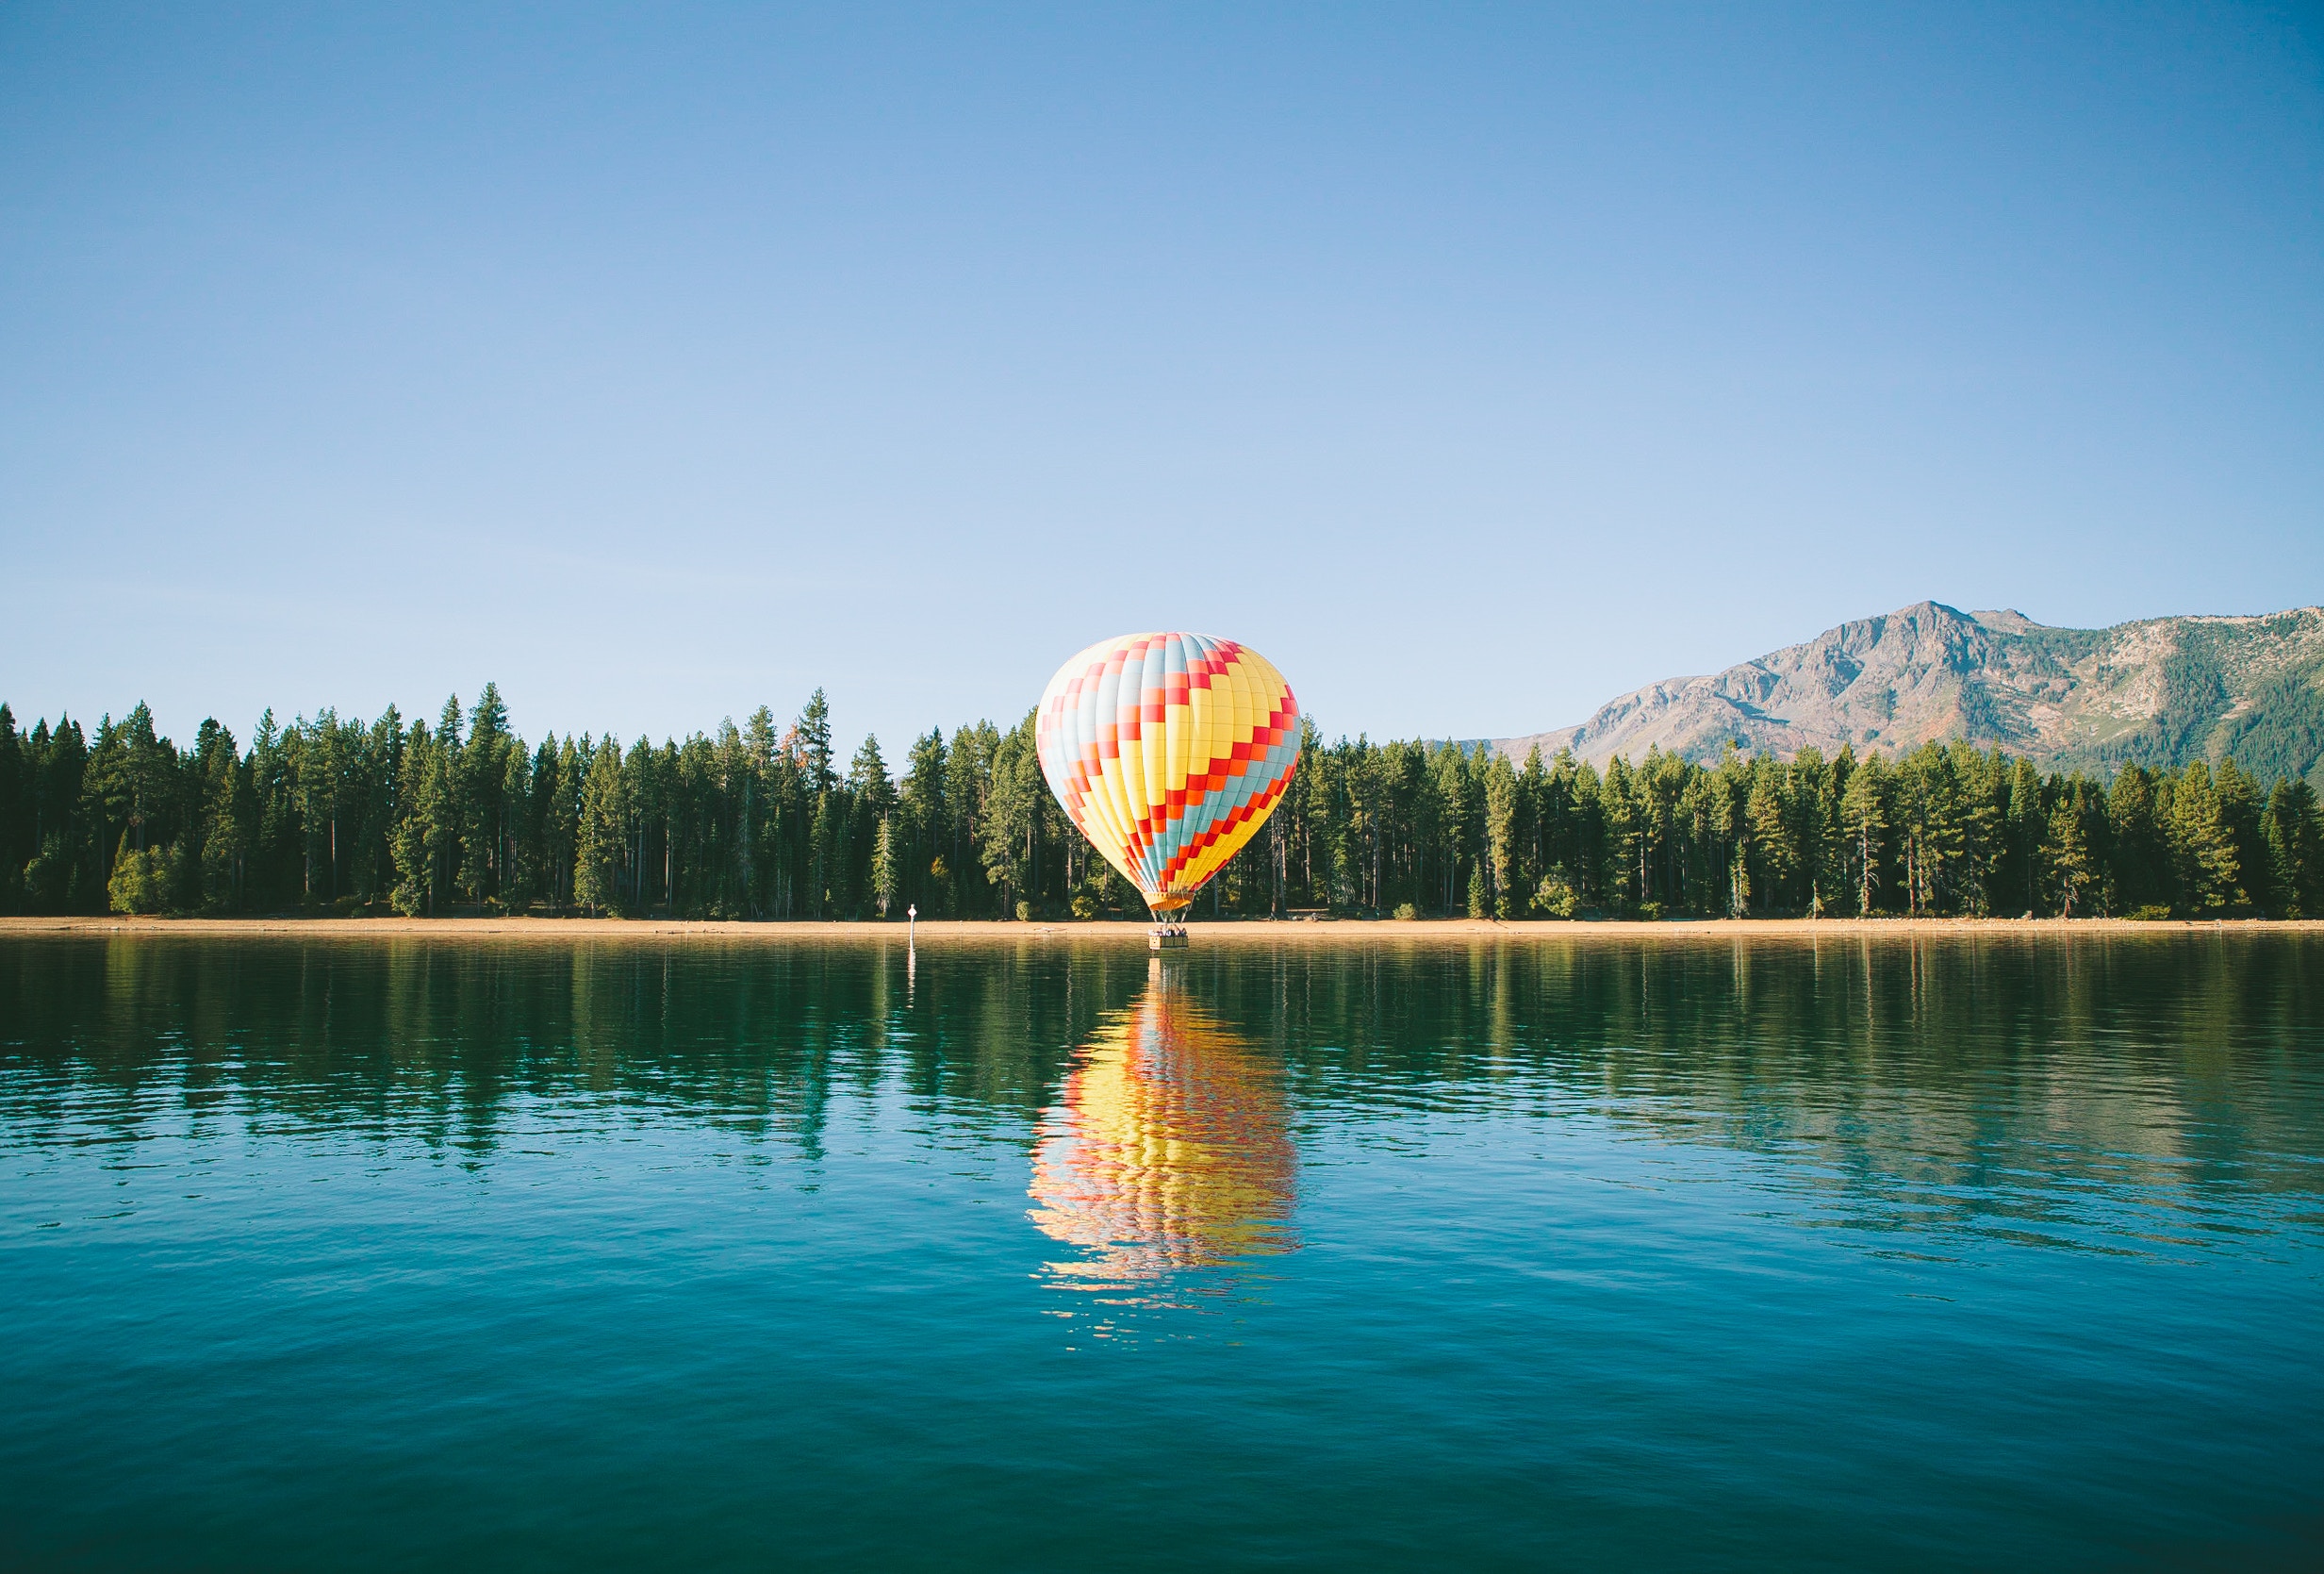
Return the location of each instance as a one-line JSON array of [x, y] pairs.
[[2157, 690]]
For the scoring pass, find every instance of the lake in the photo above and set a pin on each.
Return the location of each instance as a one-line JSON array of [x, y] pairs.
[[1920, 1251]]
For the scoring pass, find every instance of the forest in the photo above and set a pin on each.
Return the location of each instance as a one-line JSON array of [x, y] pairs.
[[328, 814]]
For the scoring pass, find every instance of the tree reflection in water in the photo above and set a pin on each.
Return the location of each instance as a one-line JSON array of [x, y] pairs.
[[1169, 1148], [1953, 1085]]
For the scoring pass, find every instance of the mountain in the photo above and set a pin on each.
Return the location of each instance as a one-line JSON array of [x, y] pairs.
[[2160, 691]]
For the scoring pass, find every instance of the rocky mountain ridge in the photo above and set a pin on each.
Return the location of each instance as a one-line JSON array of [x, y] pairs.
[[2159, 691]]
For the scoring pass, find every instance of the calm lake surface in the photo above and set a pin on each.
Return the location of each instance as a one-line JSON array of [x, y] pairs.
[[1935, 1251]]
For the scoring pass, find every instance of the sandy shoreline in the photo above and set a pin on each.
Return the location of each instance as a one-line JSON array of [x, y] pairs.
[[1235, 931]]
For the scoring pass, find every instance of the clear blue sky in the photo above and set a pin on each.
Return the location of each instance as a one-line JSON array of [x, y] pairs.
[[1475, 364]]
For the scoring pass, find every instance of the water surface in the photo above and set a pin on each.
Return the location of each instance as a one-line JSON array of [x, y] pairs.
[[1914, 1252]]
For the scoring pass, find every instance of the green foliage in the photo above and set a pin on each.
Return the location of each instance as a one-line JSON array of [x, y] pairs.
[[2067, 850], [753, 822], [1556, 897], [2275, 733], [812, 742], [883, 868], [2203, 843], [1009, 830], [2294, 837], [1864, 830], [141, 879], [603, 837]]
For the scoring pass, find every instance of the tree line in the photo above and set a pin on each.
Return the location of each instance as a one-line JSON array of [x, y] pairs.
[[339, 814]]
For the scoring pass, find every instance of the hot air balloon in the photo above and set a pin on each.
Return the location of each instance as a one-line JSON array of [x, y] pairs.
[[1168, 750]]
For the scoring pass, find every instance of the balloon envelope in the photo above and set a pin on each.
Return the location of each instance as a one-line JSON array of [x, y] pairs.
[[1168, 750]]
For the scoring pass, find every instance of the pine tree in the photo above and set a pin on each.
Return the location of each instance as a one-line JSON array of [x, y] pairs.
[[602, 832], [1625, 838], [2139, 871], [814, 733], [1823, 833], [883, 865], [641, 801], [2241, 807], [1503, 797], [126, 784], [223, 784], [968, 789], [1007, 841], [1771, 835], [17, 845], [561, 814], [926, 823], [737, 824], [413, 840], [2295, 840], [484, 797], [66, 873], [1535, 823], [1864, 817], [2066, 850], [2203, 847]]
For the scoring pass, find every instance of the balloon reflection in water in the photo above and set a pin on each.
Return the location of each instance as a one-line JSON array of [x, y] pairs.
[[1170, 1149]]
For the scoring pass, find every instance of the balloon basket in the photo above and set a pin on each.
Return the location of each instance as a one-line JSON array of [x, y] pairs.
[[1166, 937]]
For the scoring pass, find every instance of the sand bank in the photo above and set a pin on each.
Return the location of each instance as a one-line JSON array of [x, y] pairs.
[[1224, 932]]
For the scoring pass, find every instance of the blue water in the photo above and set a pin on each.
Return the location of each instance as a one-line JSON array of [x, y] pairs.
[[1931, 1252]]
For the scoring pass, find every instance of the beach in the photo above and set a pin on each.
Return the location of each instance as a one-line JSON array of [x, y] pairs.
[[1224, 932]]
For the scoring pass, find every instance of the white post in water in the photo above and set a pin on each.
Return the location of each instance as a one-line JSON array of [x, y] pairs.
[[912, 925]]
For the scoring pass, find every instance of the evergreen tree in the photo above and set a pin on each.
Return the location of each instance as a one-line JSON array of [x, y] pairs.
[[17, 846], [1864, 819], [883, 866], [1624, 843], [560, 812], [227, 809], [926, 820], [2295, 838], [602, 831], [967, 789], [416, 838], [2204, 844], [743, 824], [641, 801], [2139, 874], [2065, 851], [814, 733], [1772, 841], [1007, 841], [2241, 806], [64, 875], [485, 828], [871, 799], [1820, 836], [1503, 801]]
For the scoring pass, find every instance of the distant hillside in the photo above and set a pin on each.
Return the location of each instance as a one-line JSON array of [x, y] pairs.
[[2160, 691]]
